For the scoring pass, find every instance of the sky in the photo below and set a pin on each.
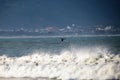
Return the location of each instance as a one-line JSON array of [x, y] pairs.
[[60, 13]]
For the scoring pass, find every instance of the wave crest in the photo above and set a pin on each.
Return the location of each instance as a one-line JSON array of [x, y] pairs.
[[95, 63]]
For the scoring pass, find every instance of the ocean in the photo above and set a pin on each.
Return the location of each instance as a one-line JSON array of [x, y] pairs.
[[49, 58]]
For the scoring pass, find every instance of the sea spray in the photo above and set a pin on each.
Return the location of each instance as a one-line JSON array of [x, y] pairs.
[[74, 63]]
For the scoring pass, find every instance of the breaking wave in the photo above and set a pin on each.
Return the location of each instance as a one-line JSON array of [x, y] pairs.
[[82, 63]]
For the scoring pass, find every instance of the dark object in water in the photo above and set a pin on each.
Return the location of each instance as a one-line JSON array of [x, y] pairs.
[[62, 39]]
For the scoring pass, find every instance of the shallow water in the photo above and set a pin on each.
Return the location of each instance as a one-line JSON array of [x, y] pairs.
[[26, 79]]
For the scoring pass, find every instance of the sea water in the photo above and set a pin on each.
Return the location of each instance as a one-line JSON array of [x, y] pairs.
[[77, 57]]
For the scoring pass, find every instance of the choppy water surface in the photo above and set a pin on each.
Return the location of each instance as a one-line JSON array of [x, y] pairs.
[[22, 46]]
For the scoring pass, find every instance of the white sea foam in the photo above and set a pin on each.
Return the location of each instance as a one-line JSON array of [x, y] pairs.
[[25, 36], [95, 63]]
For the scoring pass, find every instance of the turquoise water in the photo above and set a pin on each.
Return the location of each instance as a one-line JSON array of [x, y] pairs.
[[53, 45]]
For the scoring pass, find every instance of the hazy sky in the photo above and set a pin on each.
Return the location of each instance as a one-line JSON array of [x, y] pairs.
[[36, 13]]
